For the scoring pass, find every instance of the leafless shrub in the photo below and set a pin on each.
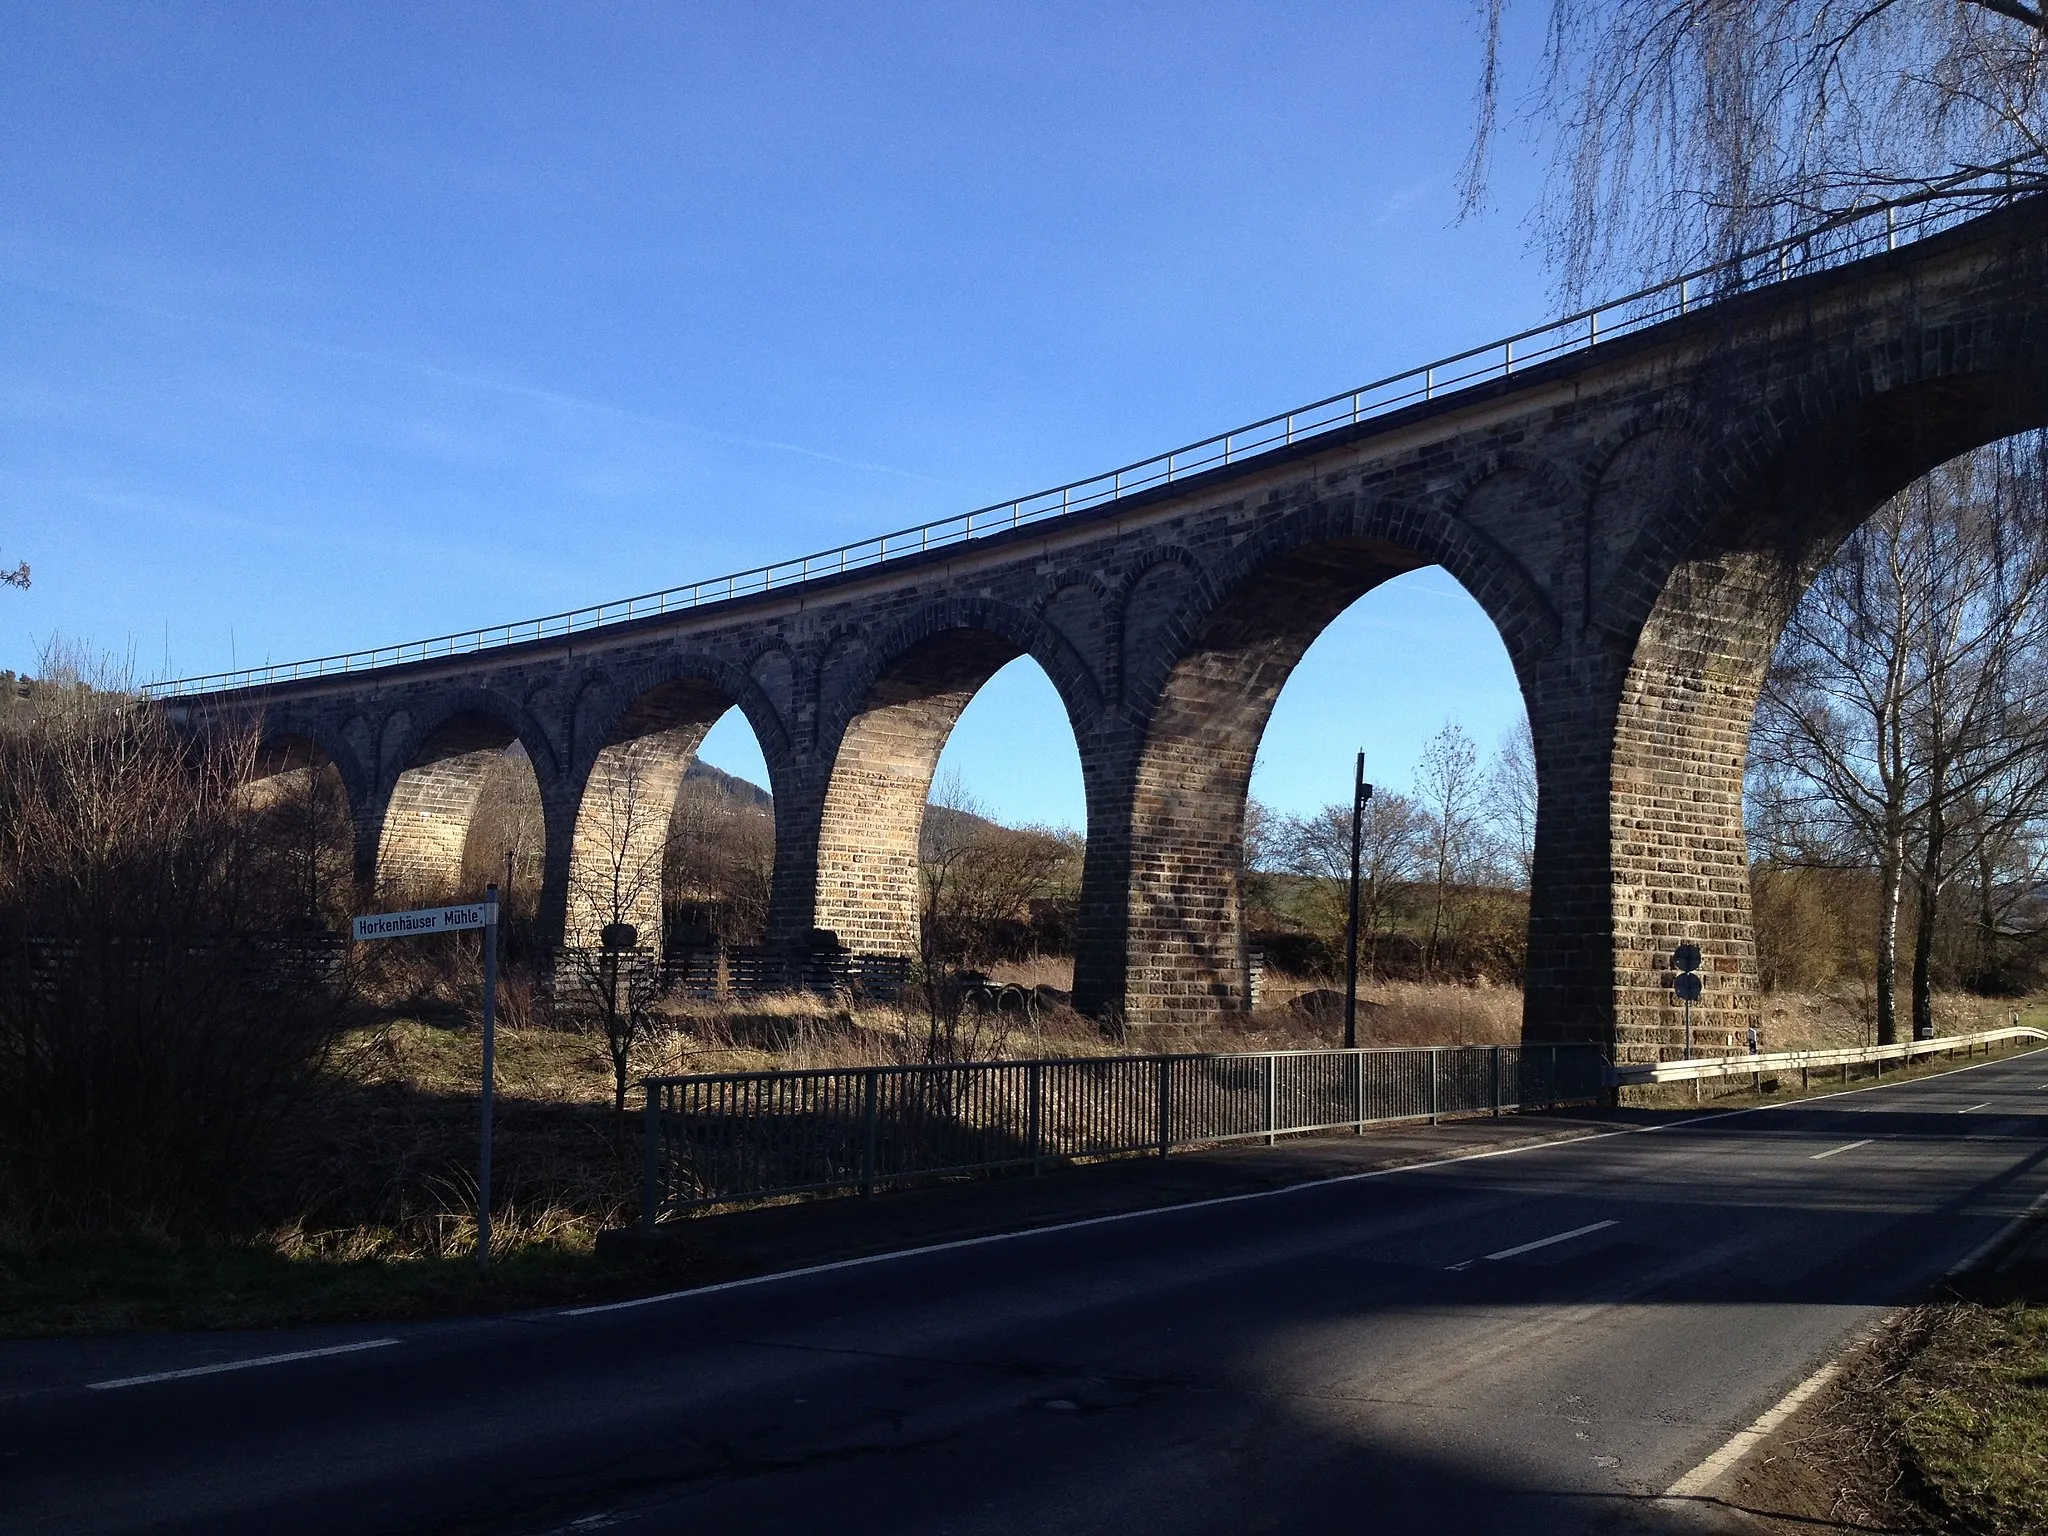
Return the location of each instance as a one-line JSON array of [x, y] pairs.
[[152, 1037], [990, 893], [720, 859]]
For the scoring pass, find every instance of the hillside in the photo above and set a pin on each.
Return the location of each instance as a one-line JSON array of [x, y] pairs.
[[939, 819]]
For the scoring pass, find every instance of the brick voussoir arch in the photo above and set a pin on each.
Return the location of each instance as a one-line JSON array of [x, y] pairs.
[[356, 776], [1822, 406], [1525, 618], [622, 690], [1522, 612], [1116, 619], [881, 732], [516, 718], [1032, 635], [1105, 591], [1713, 581]]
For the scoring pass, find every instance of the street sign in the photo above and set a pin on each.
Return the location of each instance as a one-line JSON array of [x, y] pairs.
[[416, 924], [425, 920], [1685, 960]]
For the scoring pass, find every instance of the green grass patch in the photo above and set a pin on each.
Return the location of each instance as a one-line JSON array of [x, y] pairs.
[[1969, 1418], [108, 1285]]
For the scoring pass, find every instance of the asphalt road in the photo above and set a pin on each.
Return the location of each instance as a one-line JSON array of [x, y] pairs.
[[1541, 1340]]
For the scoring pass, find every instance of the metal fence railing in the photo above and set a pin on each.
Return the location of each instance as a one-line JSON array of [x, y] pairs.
[[741, 1136], [1806, 1063], [282, 960], [1856, 232]]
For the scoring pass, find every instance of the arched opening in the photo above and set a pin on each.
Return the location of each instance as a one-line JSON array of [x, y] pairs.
[[507, 840], [306, 834], [423, 851], [1414, 674], [1689, 700], [1188, 958], [720, 866], [885, 863], [1001, 849], [663, 843]]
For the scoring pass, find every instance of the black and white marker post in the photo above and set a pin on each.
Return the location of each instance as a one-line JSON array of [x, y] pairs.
[[417, 924]]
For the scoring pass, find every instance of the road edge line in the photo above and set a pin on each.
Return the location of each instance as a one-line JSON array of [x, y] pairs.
[[987, 1238], [1740, 1444]]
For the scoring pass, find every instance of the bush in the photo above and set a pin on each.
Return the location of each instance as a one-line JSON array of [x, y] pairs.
[[154, 1031]]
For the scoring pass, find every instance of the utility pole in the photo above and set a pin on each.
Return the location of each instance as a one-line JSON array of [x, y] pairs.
[[1360, 793]]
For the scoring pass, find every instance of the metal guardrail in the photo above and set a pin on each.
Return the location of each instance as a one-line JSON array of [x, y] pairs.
[[1636, 1074], [1857, 232], [740, 1136]]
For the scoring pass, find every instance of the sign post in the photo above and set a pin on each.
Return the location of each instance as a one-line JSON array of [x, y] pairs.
[[426, 920], [1686, 961], [1361, 792]]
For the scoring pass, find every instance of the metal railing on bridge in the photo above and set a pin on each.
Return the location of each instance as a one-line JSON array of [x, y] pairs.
[[1857, 232], [739, 1136]]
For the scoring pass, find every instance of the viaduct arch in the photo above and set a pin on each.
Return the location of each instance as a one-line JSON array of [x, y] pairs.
[[1637, 517]]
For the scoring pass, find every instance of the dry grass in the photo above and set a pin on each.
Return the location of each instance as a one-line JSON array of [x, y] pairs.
[[1825, 1020], [1055, 971], [385, 1167], [1303, 1011]]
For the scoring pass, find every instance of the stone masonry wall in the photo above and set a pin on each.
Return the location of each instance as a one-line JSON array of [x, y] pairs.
[[1635, 520]]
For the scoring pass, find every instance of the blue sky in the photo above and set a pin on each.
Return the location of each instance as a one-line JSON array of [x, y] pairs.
[[328, 327]]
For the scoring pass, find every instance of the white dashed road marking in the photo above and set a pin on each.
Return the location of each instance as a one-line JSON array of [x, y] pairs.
[[1545, 1242], [236, 1365]]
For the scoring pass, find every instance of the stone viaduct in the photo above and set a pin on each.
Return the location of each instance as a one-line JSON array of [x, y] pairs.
[[1637, 518]]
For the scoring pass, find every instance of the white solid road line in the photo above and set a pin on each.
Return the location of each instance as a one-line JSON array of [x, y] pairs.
[[1100, 1221], [891, 1257], [1985, 1105], [236, 1365], [1710, 1471], [1845, 1147], [1545, 1242]]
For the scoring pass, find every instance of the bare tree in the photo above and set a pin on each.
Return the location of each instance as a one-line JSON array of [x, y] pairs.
[[302, 825], [1903, 706], [1318, 847], [2008, 864], [1832, 742], [18, 577], [1682, 132], [1449, 794], [1511, 801], [149, 1046], [979, 879], [1982, 710], [721, 859], [618, 882]]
